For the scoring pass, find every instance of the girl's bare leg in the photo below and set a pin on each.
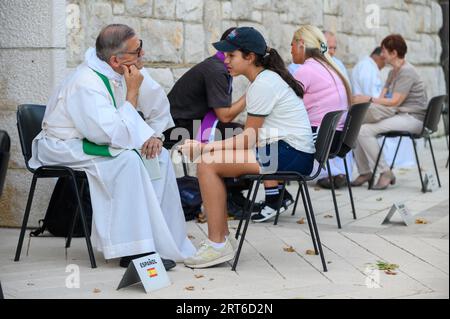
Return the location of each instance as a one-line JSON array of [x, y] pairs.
[[210, 171]]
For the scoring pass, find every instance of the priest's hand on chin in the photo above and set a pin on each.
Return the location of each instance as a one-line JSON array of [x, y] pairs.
[[133, 79], [152, 147], [191, 149]]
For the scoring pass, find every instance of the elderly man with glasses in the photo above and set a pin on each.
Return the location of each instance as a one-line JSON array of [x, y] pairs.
[[92, 123]]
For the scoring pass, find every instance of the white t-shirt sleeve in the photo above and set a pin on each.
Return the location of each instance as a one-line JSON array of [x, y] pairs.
[[261, 99]]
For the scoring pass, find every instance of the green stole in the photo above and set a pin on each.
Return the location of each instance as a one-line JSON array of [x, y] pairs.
[[92, 148]]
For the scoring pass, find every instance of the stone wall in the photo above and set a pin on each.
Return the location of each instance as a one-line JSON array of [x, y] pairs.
[[41, 40]]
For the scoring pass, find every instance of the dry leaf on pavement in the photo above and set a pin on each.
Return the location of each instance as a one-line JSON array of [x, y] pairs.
[[289, 249], [301, 221], [310, 252], [190, 288], [390, 272], [328, 216], [421, 220], [96, 291], [199, 276]]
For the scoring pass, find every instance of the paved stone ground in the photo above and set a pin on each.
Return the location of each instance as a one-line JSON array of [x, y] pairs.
[[265, 270]]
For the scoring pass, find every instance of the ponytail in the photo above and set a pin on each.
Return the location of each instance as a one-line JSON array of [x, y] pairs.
[[272, 61]]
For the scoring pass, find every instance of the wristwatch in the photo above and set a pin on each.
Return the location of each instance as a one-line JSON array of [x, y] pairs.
[[160, 137]]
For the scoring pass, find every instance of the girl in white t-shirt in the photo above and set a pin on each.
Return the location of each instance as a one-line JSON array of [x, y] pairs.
[[277, 137]]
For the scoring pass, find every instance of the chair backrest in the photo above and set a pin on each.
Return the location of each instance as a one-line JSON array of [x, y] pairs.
[[325, 136], [5, 145], [352, 126], [29, 124], [433, 114]]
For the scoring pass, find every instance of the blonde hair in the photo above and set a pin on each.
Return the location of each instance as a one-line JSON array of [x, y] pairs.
[[316, 48]]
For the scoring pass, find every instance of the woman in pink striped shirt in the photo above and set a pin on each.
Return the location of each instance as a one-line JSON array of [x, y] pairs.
[[326, 89]]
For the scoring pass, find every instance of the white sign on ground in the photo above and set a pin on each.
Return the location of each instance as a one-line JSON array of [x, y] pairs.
[[149, 270], [403, 211], [430, 182]]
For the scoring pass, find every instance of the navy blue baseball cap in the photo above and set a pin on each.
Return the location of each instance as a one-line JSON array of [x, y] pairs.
[[246, 38]]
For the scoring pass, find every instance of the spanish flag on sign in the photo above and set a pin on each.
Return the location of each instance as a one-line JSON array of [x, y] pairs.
[[152, 272]]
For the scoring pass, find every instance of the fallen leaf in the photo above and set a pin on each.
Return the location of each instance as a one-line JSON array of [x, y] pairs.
[[289, 249], [96, 291], [379, 199], [211, 279], [310, 252], [382, 265], [421, 220], [190, 288], [301, 221], [328, 216], [30, 284], [329, 262], [390, 272], [317, 188], [191, 237], [199, 276]]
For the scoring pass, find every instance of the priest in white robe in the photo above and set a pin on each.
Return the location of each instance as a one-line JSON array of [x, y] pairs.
[[135, 210]]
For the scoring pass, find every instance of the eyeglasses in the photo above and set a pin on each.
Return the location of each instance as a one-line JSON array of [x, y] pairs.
[[137, 52]]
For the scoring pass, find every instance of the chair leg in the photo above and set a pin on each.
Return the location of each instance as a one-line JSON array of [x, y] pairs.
[[296, 201], [247, 221], [87, 234], [349, 186], [434, 161], [308, 217], [280, 202], [25, 218], [445, 129], [333, 194], [418, 166], [316, 231], [396, 152], [376, 164], [74, 220], [246, 210]]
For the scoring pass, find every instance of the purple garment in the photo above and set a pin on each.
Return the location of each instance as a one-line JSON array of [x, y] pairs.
[[206, 132]]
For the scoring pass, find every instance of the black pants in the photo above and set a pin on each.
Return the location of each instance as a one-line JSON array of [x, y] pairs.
[[233, 186]]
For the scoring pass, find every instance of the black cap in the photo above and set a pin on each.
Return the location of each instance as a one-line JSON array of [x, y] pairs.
[[246, 38]]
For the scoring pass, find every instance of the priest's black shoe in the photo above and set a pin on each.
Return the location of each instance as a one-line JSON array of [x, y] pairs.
[[125, 261]]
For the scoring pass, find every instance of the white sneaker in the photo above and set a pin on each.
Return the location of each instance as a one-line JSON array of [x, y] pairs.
[[208, 256], [266, 213]]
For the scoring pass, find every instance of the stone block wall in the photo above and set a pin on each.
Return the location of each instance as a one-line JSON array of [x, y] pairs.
[[40, 41]]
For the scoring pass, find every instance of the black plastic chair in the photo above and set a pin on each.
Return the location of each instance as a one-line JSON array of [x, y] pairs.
[[5, 145], [323, 144], [29, 121], [430, 125], [347, 142]]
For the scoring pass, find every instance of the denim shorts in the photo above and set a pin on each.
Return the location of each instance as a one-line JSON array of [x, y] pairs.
[[280, 156]]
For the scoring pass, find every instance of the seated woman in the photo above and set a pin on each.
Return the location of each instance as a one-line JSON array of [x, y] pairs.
[[326, 89], [402, 105], [277, 137]]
